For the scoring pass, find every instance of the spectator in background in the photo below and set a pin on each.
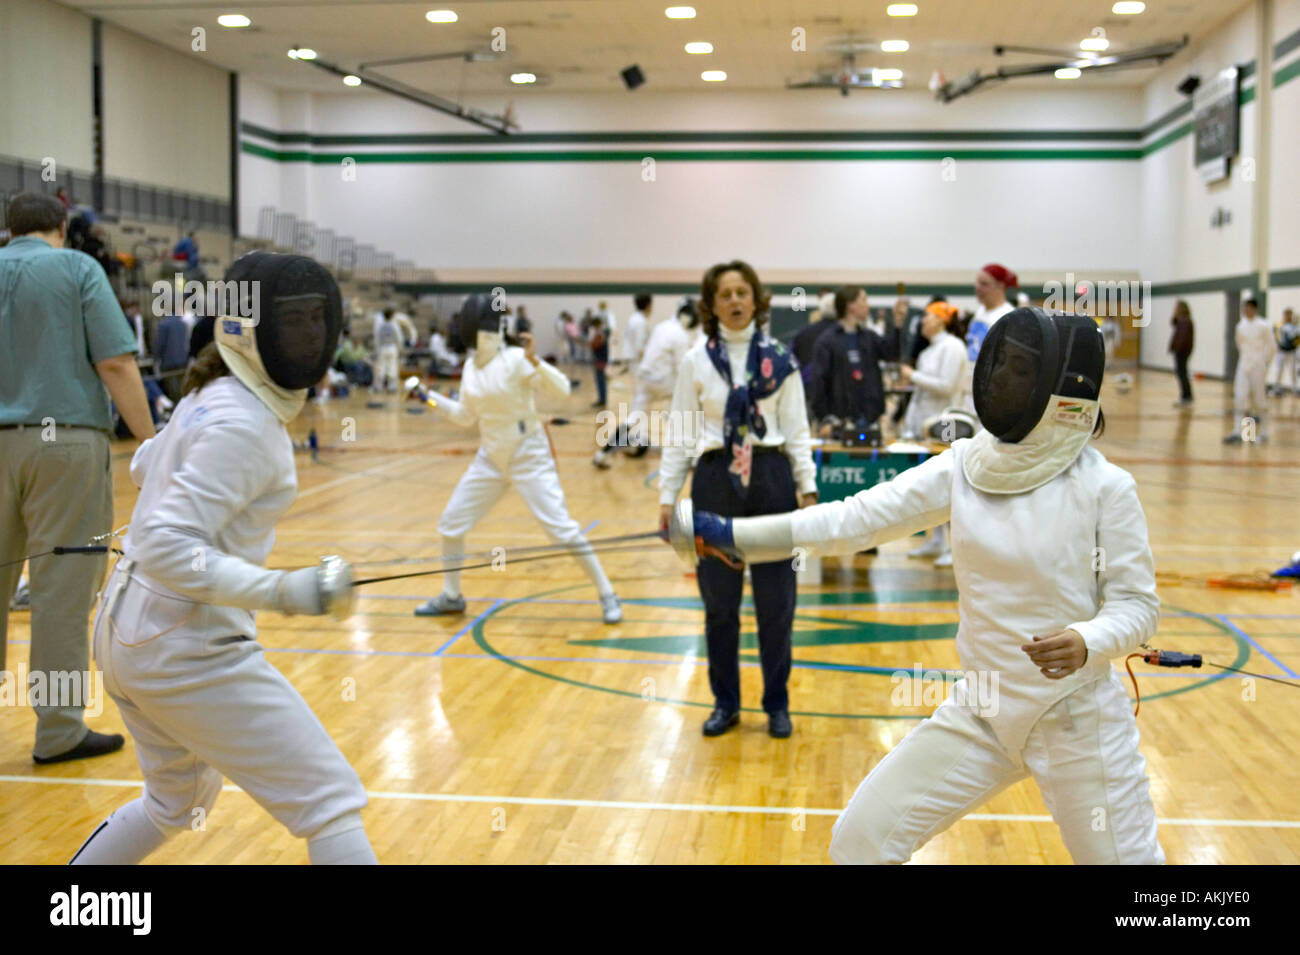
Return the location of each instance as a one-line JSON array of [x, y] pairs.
[[1255, 349], [847, 390], [599, 344], [568, 329], [390, 330], [62, 195], [609, 325], [991, 284], [805, 343], [64, 344], [187, 251], [1180, 344], [201, 334], [445, 361], [638, 331], [131, 309], [1288, 337], [352, 359], [523, 324], [172, 353]]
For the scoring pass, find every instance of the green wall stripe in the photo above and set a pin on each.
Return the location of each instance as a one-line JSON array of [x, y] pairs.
[[1286, 45], [1287, 73], [1226, 283], [1284, 278], [691, 155], [661, 136]]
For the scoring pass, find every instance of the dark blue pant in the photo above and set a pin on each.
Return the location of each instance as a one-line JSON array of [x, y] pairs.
[[771, 491], [600, 385]]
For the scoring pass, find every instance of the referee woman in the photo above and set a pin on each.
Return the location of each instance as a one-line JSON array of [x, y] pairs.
[[752, 455]]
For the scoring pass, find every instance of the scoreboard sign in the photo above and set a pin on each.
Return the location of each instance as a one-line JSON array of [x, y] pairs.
[[1216, 111]]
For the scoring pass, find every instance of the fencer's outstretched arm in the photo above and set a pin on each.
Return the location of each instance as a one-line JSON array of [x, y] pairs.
[[174, 541], [916, 500], [1126, 577], [462, 413], [548, 378]]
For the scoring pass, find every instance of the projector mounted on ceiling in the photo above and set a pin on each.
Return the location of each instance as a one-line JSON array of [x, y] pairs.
[[848, 76]]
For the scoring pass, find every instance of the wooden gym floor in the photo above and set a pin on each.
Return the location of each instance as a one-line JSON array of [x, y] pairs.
[[526, 731]]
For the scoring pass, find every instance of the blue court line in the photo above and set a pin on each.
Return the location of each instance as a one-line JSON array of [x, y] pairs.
[[465, 629], [586, 529], [1251, 640]]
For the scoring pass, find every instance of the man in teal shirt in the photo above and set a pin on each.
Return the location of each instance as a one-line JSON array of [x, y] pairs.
[[65, 348]]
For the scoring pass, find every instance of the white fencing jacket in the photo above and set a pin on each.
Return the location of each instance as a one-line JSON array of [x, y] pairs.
[[669, 342], [212, 485], [1255, 343], [1070, 554], [634, 339], [498, 397], [701, 393], [937, 380]]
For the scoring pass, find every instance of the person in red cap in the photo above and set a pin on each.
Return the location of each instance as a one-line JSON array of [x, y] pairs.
[[991, 284]]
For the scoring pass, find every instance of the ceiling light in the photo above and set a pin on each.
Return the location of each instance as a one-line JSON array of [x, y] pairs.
[[713, 76], [901, 9], [523, 78], [1128, 8], [893, 46], [1068, 73], [1094, 43], [441, 16], [302, 53], [351, 80], [699, 46], [680, 13], [233, 20]]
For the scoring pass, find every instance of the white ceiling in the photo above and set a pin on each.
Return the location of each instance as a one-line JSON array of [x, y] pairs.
[[584, 44]]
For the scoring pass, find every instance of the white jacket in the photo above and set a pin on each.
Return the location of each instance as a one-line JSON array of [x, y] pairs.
[[669, 342], [499, 398], [936, 381], [634, 339], [701, 393], [1255, 342], [212, 485], [1070, 554]]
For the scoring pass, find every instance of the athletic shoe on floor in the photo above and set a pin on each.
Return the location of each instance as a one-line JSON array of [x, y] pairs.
[[439, 605], [22, 599], [611, 610], [94, 744], [931, 548], [944, 559], [601, 459]]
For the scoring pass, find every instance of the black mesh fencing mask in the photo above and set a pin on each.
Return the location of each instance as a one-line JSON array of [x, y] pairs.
[[299, 315], [479, 315], [1028, 356]]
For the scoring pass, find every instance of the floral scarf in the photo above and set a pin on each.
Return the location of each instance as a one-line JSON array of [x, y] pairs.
[[768, 365]]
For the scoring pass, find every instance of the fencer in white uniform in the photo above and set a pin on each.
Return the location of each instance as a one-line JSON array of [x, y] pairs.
[[936, 381], [391, 329], [1256, 347], [498, 383], [655, 378], [638, 331], [1055, 578], [175, 633]]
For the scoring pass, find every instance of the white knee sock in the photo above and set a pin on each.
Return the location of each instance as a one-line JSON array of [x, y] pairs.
[[452, 546], [583, 553], [124, 838], [342, 842]]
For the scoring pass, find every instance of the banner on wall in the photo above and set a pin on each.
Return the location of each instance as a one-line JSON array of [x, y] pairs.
[[1216, 110]]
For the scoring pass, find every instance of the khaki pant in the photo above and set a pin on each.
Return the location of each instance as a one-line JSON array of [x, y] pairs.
[[54, 493]]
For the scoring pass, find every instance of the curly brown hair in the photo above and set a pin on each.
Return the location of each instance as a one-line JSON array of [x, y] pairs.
[[709, 288]]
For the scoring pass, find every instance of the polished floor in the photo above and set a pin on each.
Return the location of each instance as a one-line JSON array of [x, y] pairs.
[[527, 731]]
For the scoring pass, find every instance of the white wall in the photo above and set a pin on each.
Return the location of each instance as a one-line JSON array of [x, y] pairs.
[[1284, 191], [45, 84], [866, 214], [166, 116]]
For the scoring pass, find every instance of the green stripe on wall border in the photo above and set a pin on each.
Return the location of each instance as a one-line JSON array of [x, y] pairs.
[[693, 155], [654, 288], [1226, 283]]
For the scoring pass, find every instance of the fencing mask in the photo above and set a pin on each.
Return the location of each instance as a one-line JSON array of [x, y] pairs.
[[1036, 389], [284, 337], [489, 323]]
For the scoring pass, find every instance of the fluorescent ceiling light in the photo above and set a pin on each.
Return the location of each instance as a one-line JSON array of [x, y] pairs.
[[1128, 8], [441, 16], [351, 80], [302, 53], [233, 20], [1068, 73], [894, 46], [713, 76], [680, 13], [699, 46], [523, 78], [1094, 43], [901, 9]]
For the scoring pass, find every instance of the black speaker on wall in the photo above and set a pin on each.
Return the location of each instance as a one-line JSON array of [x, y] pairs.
[[633, 77]]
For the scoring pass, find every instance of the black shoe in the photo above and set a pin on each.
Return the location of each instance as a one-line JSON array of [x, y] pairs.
[[95, 744], [778, 724], [720, 721]]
